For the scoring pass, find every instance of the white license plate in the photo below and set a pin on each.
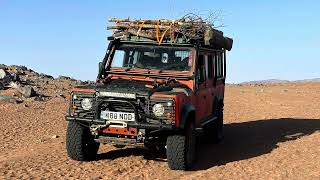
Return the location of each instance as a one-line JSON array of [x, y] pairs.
[[117, 116]]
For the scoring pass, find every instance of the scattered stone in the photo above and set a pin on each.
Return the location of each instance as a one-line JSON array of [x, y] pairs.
[[26, 91], [5, 98], [1, 86], [26, 83], [18, 100], [13, 101], [86, 82], [63, 96], [54, 137], [15, 77], [39, 98], [14, 85], [20, 68], [10, 99], [3, 73], [2, 66]]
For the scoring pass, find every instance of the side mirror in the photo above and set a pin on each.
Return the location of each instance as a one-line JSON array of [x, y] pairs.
[[100, 66]]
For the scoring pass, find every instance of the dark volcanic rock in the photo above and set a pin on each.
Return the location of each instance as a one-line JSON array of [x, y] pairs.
[[26, 91], [1, 86], [64, 78], [45, 76], [27, 83]]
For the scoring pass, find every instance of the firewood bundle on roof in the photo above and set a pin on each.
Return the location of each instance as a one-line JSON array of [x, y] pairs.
[[189, 29]]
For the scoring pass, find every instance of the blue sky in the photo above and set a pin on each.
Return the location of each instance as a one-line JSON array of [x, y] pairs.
[[272, 39]]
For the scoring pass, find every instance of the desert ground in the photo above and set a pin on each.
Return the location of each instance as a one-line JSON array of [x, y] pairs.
[[271, 131]]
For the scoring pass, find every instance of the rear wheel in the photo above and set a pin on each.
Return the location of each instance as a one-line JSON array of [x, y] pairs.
[[181, 149], [80, 143]]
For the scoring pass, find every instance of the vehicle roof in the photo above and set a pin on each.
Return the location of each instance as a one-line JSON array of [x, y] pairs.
[[168, 44]]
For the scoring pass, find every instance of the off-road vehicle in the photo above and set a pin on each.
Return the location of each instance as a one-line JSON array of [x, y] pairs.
[[151, 95]]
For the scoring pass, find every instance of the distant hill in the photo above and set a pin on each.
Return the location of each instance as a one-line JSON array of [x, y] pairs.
[[279, 81], [268, 81], [308, 80]]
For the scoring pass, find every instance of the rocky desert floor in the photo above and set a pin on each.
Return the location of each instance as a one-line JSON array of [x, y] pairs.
[[271, 132]]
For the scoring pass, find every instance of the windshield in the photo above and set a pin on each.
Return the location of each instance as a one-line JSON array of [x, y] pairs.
[[152, 57]]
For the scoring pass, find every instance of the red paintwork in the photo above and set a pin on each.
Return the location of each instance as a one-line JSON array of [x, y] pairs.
[[122, 131], [83, 90]]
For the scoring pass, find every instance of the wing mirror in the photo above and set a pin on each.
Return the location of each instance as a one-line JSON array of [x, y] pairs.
[[100, 66]]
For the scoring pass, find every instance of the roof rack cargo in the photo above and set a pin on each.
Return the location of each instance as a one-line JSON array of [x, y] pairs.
[[187, 30]]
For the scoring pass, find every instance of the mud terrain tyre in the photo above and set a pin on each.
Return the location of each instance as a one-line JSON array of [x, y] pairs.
[[181, 149], [214, 132], [80, 143]]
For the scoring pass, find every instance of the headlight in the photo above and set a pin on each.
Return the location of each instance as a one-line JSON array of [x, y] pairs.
[[86, 104], [74, 97], [158, 110]]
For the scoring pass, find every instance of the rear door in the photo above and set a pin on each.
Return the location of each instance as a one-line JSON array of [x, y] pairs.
[[219, 74]]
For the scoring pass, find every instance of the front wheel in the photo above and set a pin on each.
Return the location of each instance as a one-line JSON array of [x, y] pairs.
[[80, 143], [181, 149]]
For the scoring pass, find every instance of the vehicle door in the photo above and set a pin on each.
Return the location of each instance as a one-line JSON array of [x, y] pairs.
[[219, 74], [202, 90], [210, 84]]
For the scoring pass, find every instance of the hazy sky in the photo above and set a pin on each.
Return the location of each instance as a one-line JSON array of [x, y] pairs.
[[272, 39]]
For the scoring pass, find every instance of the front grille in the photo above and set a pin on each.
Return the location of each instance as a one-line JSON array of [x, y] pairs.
[[143, 107], [117, 106], [124, 105], [78, 110]]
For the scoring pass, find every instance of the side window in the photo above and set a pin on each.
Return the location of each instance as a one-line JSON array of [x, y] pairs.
[[219, 64], [118, 58], [224, 64], [201, 70], [214, 61], [210, 67]]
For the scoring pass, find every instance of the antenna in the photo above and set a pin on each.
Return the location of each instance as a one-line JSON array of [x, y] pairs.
[[172, 9]]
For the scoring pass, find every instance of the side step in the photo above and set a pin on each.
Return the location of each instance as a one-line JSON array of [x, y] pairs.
[[199, 130], [208, 121]]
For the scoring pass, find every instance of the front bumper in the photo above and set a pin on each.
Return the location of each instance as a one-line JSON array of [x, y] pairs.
[[134, 125]]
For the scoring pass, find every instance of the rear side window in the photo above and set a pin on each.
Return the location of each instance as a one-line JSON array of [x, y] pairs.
[[219, 64], [210, 67], [201, 70]]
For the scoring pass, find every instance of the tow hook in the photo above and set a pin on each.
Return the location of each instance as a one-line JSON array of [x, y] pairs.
[[94, 129], [141, 135]]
